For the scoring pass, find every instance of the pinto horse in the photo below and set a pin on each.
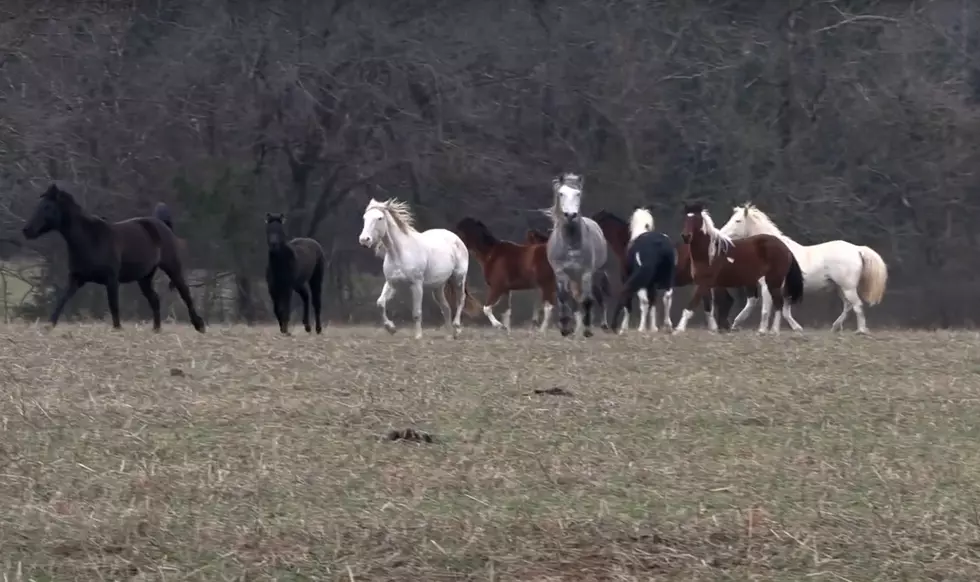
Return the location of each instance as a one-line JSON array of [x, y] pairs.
[[617, 232], [112, 253], [650, 265], [507, 267], [718, 261]]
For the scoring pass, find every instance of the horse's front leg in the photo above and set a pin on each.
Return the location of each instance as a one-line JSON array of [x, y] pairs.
[[750, 300], [74, 284], [417, 307], [584, 318], [387, 292], [565, 309], [699, 293]]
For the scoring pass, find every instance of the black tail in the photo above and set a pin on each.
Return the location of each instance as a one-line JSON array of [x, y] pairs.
[[162, 213], [793, 286], [601, 285]]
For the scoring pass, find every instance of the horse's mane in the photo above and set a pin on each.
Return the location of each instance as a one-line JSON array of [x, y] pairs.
[[719, 240], [753, 213], [479, 229], [399, 212], [604, 215], [62, 197]]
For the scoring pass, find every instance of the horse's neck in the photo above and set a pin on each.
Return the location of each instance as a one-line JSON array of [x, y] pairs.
[[81, 230], [398, 245], [571, 233], [281, 255], [763, 227]]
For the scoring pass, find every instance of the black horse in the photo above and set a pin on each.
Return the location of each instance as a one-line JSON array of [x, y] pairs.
[[110, 254], [651, 264], [293, 266]]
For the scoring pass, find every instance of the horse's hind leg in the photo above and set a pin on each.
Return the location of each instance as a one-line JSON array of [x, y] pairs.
[[316, 297], [417, 307], [177, 279], [112, 293], [439, 294], [788, 314], [667, 299], [146, 287], [492, 299], [751, 299], [776, 291], [304, 296]]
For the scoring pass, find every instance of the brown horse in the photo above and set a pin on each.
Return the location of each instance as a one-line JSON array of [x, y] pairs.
[[112, 253], [509, 266], [718, 261]]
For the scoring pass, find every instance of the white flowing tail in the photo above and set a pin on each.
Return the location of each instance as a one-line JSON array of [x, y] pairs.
[[874, 276]]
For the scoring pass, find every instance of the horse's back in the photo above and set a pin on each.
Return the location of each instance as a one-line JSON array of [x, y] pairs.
[[142, 243]]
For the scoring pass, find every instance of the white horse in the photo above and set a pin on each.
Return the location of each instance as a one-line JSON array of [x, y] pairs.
[[858, 272], [436, 259]]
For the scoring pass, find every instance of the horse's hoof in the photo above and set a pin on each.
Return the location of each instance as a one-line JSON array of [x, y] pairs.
[[587, 333], [319, 330], [308, 329], [390, 328], [605, 326], [566, 332]]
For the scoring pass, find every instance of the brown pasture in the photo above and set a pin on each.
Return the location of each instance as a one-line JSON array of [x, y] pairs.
[[242, 454]]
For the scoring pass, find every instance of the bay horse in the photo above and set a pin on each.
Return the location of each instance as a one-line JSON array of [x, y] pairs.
[[435, 258], [577, 252], [617, 232], [718, 261], [856, 272], [112, 253], [296, 266], [509, 266], [650, 265]]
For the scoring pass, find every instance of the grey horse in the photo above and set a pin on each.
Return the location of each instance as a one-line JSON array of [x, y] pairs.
[[577, 251]]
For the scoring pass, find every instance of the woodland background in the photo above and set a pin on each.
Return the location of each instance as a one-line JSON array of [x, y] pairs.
[[851, 119]]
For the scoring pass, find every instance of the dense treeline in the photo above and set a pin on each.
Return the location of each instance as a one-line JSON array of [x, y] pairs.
[[851, 119]]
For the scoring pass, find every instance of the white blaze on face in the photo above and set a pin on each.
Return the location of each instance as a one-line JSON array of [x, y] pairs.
[[570, 199], [369, 234]]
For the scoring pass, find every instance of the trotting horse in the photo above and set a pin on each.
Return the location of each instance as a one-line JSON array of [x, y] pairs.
[[509, 266], [111, 254], [601, 289], [577, 253], [436, 259], [650, 265], [718, 261], [857, 272], [296, 265], [617, 232]]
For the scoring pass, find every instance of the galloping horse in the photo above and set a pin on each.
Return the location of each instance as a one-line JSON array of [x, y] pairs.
[[436, 259], [507, 267], [110, 254], [601, 288], [718, 261], [617, 232], [857, 272], [577, 253], [296, 265], [650, 265]]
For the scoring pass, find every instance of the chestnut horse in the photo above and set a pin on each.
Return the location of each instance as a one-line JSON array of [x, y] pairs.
[[718, 261], [509, 266], [617, 232]]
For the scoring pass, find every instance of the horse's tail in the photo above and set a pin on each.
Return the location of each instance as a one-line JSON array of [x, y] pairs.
[[874, 276], [601, 284], [162, 213], [471, 305], [793, 286]]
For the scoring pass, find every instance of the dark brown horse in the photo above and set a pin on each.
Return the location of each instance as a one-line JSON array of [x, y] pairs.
[[296, 265], [718, 261], [617, 232], [507, 267], [110, 254]]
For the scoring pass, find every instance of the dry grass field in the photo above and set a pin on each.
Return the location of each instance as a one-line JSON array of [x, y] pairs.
[[243, 455]]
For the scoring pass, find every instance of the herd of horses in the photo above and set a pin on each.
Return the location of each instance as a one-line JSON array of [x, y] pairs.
[[567, 265]]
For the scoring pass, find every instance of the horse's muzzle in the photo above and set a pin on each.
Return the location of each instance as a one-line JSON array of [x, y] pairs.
[[571, 215], [686, 238], [365, 241]]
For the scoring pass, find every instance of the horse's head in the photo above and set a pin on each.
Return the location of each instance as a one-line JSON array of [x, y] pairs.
[[51, 213], [535, 237], [568, 192], [739, 225], [275, 231], [375, 225], [693, 222], [641, 221]]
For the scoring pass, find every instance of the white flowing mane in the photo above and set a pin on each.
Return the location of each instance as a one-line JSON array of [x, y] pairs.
[[640, 221], [759, 218], [398, 211], [719, 240]]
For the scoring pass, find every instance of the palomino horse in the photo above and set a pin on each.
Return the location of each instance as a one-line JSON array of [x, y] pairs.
[[436, 259], [296, 265], [577, 253], [717, 261], [857, 272], [650, 265], [617, 232], [507, 267], [112, 253]]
